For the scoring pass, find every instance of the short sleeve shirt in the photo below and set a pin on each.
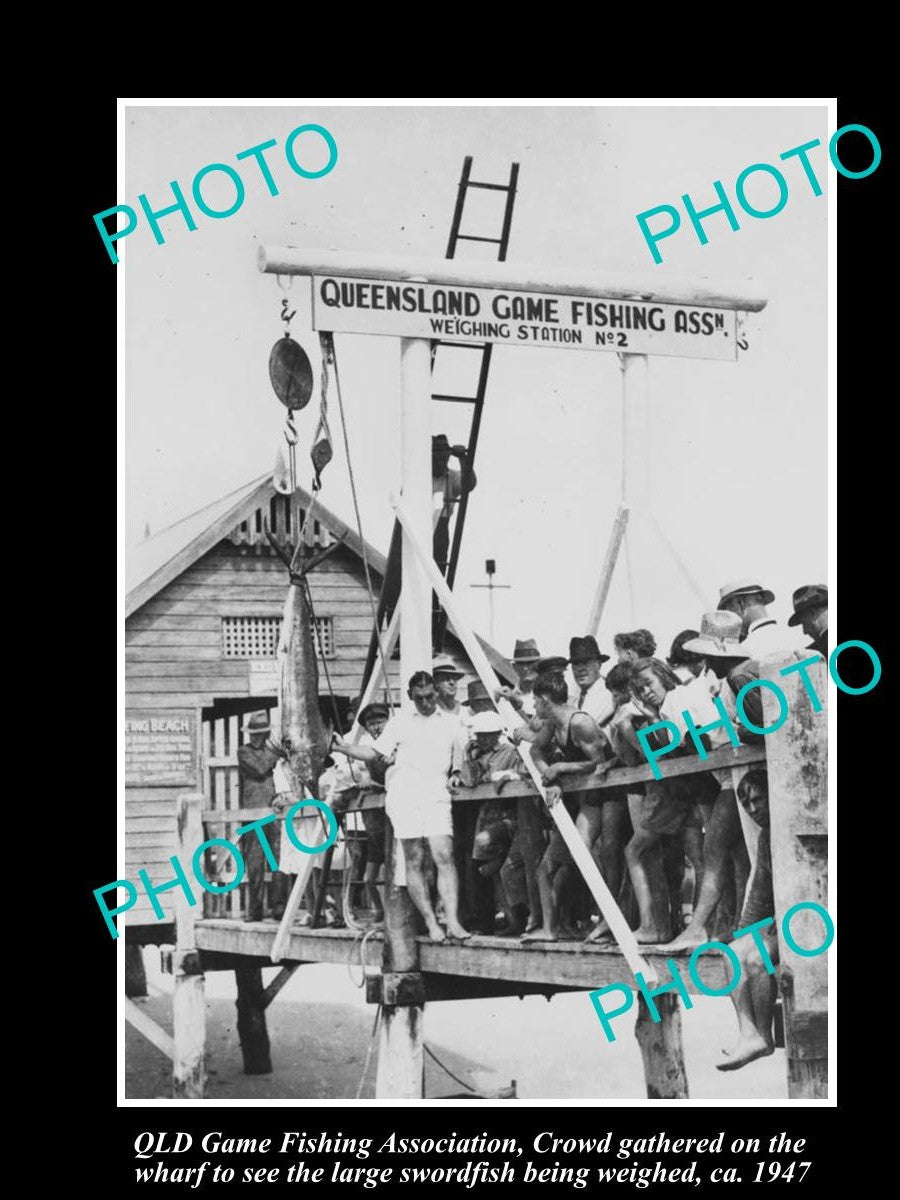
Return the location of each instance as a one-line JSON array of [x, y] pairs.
[[427, 750]]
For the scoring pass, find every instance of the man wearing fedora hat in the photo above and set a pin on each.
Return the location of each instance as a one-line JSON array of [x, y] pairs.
[[447, 490], [446, 675], [257, 758], [586, 660], [811, 614]]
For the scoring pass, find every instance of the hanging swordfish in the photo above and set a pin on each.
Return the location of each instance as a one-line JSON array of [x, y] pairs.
[[304, 734]]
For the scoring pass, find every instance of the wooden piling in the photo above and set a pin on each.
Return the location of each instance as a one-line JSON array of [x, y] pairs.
[[188, 1000], [662, 1050], [401, 1051], [797, 762], [251, 1021]]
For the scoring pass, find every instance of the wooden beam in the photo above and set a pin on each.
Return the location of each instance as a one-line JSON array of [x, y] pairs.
[[278, 983], [149, 1029], [726, 756], [797, 767], [188, 999], [620, 524], [742, 294], [297, 891]]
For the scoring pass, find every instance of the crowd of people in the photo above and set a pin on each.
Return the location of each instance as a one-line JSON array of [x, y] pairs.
[[686, 856]]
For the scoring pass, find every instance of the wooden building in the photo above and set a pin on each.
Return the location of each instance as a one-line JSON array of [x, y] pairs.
[[203, 615]]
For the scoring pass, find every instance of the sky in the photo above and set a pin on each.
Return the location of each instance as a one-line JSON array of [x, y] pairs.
[[735, 452]]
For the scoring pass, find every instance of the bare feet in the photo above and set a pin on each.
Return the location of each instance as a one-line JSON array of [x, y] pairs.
[[647, 936], [456, 931], [600, 933], [540, 935], [689, 939], [532, 925], [436, 933], [746, 1050]]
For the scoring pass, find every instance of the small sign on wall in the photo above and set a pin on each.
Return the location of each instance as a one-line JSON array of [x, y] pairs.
[[161, 748]]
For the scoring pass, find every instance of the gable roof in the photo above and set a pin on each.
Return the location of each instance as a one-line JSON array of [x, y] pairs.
[[155, 562], [158, 560]]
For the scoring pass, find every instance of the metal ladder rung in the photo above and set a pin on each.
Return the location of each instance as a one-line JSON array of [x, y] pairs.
[[467, 237], [494, 187], [479, 346], [455, 399]]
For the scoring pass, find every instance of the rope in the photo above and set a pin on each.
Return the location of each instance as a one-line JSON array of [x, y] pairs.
[[365, 1069], [362, 937], [328, 352]]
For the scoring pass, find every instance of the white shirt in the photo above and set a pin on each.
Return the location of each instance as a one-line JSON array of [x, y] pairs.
[[767, 636], [597, 703], [695, 699], [427, 749]]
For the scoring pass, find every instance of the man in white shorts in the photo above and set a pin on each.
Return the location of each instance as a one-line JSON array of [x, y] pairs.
[[428, 752]]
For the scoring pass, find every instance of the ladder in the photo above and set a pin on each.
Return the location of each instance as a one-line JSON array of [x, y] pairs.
[[390, 590]]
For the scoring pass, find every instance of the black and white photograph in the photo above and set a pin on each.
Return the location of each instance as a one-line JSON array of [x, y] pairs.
[[477, 525]]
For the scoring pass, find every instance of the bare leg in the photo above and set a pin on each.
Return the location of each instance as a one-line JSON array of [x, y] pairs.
[[414, 853], [640, 844], [448, 886], [611, 859], [754, 1003], [373, 898], [721, 832], [549, 931]]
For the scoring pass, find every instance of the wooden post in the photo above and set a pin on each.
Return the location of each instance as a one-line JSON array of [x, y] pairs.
[[401, 1062], [135, 975], [251, 1021], [617, 533], [401, 1051], [797, 763], [661, 1049], [188, 999]]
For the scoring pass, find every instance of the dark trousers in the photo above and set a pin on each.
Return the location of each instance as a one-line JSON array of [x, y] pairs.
[[525, 854], [256, 866], [476, 894]]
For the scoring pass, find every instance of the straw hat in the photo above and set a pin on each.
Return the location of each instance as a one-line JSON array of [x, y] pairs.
[[745, 587], [720, 636]]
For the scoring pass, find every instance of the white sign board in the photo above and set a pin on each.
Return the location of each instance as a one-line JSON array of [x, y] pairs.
[[263, 676], [342, 304]]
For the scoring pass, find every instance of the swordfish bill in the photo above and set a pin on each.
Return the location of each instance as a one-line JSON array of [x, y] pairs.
[[304, 733]]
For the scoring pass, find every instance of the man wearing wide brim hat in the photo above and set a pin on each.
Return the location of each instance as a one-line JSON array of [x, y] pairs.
[[811, 613], [446, 675], [478, 699], [257, 758], [763, 635], [593, 695]]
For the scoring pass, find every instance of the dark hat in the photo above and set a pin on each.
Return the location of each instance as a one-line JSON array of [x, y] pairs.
[[583, 649], [545, 665], [372, 710], [745, 587], [526, 651], [258, 723], [477, 691], [811, 595]]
